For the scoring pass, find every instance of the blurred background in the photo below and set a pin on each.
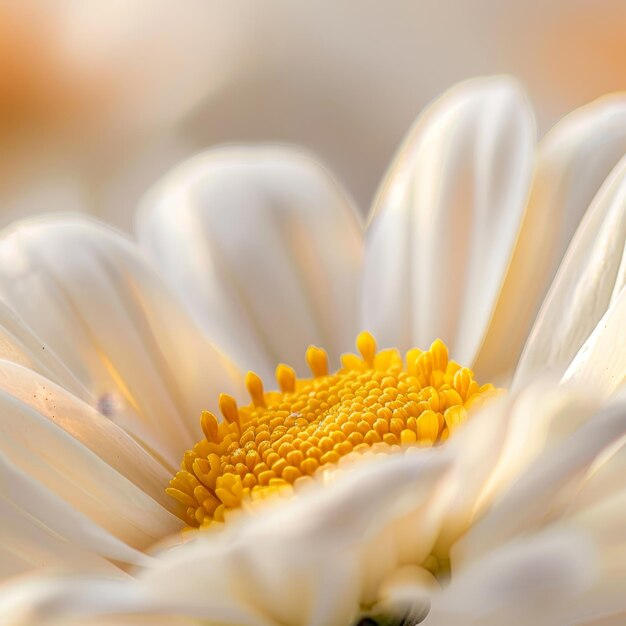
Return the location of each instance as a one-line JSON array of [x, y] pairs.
[[98, 99]]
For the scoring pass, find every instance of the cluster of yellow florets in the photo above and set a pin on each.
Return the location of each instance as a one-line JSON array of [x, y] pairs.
[[283, 437]]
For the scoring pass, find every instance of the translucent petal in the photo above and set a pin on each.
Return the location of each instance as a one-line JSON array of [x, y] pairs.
[[573, 161], [19, 344], [95, 431], [36, 447], [501, 443], [89, 295], [446, 218], [530, 581], [546, 488], [601, 361], [300, 561], [584, 285], [264, 247], [38, 529]]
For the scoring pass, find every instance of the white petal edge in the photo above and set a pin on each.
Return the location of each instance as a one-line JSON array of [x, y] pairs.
[[88, 600], [605, 522], [40, 449], [501, 442], [601, 362], [264, 247], [546, 488], [92, 429], [598, 549], [528, 581], [19, 344], [274, 564], [444, 223], [573, 160], [88, 293], [584, 286], [41, 530]]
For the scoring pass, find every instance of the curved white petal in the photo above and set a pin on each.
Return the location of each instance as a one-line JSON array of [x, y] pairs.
[[90, 296], [446, 218], [35, 446], [598, 550], [605, 523], [573, 161], [530, 581], [546, 488], [40, 530], [501, 442], [95, 431], [607, 478], [300, 562], [601, 362], [84, 601], [584, 285], [20, 345], [264, 247]]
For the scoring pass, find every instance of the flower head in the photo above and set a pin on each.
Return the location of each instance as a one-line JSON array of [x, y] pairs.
[[416, 508]]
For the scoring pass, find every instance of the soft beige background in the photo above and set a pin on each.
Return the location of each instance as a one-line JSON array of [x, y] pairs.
[[97, 99]]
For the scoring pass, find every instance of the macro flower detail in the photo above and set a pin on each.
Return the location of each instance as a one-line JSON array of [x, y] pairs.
[[283, 437], [420, 493]]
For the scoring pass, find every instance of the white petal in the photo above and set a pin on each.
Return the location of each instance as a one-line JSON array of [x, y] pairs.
[[605, 522], [19, 344], [500, 442], [278, 564], [89, 295], [574, 159], [530, 581], [40, 600], [38, 529], [607, 477], [264, 247], [26, 545], [546, 488], [584, 285], [601, 362], [96, 432], [446, 218], [38, 448], [602, 522]]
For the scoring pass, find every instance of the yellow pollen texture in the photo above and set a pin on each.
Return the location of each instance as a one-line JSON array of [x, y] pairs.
[[278, 441]]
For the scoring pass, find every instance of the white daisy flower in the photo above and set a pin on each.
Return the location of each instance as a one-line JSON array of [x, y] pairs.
[[413, 512]]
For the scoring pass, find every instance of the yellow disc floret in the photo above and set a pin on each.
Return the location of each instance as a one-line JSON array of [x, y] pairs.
[[284, 437]]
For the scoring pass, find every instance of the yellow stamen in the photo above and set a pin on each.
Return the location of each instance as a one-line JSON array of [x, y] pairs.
[[254, 385], [286, 378], [366, 345], [208, 421], [284, 437], [228, 407], [317, 360]]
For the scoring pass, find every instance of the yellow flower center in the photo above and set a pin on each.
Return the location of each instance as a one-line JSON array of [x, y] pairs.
[[282, 438]]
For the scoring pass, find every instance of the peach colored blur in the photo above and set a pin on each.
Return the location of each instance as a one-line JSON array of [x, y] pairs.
[[98, 99]]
